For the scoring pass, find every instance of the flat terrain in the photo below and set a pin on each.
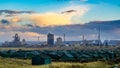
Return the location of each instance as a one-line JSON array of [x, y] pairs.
[[63, 48], [20, 63]]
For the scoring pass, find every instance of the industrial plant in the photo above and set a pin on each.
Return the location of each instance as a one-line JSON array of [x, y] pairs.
[[60, 41], [15, 43]]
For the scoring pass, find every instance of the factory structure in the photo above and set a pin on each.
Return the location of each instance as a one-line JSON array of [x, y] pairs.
[[15, 43], [60, 41], [50, 39]]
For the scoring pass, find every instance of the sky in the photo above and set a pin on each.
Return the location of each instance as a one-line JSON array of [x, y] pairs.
[[33, 18]]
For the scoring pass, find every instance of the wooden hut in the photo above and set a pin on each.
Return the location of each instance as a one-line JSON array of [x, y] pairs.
[[67, 57], [41, 59]]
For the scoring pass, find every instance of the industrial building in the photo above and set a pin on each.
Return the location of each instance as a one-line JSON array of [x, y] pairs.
[[15, 43], [59, 41], [50, 39]]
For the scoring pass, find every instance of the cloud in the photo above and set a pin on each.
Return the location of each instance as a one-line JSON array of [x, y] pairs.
[[77, 12], [69, 11], [46, 19], [42, 20], [15, 19], [79, 9], [29, 25], [109, 30], [3, 21], [49, 19], [1, 33], [14, 12], [58, 18]]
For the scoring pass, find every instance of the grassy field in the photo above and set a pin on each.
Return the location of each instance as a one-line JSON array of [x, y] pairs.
[[63, 48], [20, 63]]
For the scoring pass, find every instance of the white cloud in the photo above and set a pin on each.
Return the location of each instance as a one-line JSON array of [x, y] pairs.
[[80, 10]]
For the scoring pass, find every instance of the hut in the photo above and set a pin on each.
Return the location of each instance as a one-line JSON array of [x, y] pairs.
[[67, 57], [4, 54], [41, 59], [54, 55], [18, 55]]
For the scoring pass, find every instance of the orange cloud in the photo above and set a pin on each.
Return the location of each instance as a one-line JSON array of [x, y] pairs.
[[53, 19], [15, 19], [50, 19], [31, 34]]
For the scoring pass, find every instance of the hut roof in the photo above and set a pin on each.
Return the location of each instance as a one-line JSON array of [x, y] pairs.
[[43, 56]]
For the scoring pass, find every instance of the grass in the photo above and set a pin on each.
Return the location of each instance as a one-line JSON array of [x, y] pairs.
[[21, 63], [63, 48]]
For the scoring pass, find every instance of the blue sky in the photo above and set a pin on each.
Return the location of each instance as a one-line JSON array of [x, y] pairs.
[[99, 9], [54, 16]]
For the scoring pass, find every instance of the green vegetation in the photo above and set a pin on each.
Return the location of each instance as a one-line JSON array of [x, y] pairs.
[[26, 63], [21, 63]]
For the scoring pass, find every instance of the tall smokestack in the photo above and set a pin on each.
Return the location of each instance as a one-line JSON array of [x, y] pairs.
[[83, 37], [64, 37], [99, 36], [38, 38]]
